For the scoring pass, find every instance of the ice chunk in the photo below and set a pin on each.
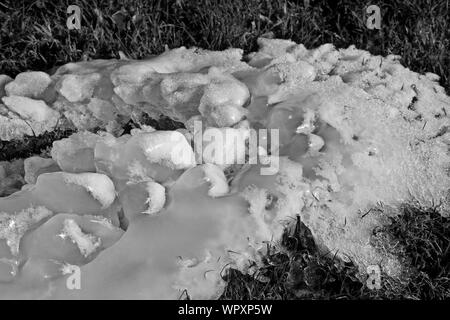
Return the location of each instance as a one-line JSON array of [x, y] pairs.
[[223, 147], [35, 113], [14, 128], [69, 238], [34, 166], [84, 193], [102, 109], [154, 156], [75, 87], [223, 100], [98, 185], [35, 269], [145, 197], [76, 153], [167, 148], [177, 60], [29, 109], [31, 84]]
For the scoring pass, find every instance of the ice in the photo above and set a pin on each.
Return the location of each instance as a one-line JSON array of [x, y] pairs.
[[76, 153], [223, 146], [13, 227], [157, 156], [218, 106], [29, 109], [34, 166], [35, 114], [83, 193], [356, 132], [76, 87], [98, 185], [34, 84], [70, 238]]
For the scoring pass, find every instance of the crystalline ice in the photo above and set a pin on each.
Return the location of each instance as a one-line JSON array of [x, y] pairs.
[[76, 153], [70, 238], [35, 113], [13, 227], [76, 87], [83, 193], [32, 84], [34, 166], [218, 106], [154, 156]]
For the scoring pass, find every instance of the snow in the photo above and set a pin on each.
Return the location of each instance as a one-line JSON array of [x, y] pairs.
[[98, 185], [13, 227], [156, 197], [215, 176], [349, 141], [87, 244]]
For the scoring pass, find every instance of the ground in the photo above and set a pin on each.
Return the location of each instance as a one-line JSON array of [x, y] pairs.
[[34, 36]]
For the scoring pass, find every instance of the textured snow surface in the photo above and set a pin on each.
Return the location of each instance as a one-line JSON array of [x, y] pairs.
[[358, 136]]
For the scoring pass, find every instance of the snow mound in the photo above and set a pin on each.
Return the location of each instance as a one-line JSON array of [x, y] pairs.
[[352, 137]]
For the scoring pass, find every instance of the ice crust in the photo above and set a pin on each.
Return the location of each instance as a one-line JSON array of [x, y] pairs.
[[144, 219]]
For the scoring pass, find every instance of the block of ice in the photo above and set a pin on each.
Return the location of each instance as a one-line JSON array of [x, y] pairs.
[[70, 238], [34, 166], [155, 156], [76, 153], [83, 193], [218, 106], [75, 87], [33, 84], [35, 113]]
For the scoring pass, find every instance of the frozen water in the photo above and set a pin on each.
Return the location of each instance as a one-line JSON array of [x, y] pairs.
[[356, 132]]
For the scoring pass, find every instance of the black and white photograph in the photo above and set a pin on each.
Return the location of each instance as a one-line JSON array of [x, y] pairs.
[[234, 152]]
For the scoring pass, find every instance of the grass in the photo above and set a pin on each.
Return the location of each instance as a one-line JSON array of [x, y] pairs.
[[421, 238], [34, 36], [299, 271]]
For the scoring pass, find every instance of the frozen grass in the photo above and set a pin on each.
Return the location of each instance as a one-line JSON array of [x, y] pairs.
[[34, 36]]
